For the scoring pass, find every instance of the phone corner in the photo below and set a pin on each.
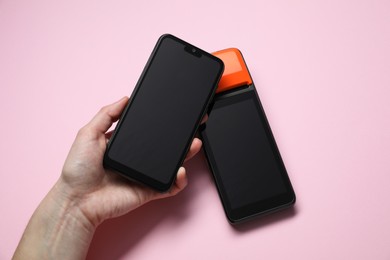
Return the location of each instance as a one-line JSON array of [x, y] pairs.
[[293, 199], [164, 36]]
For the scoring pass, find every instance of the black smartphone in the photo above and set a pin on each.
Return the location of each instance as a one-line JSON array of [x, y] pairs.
[[156, 129], [240, 148]]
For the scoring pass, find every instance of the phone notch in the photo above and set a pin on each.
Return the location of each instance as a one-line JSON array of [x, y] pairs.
[[193, 50]]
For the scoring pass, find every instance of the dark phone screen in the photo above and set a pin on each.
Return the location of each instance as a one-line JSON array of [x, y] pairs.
[[163, 114], [246, 165]]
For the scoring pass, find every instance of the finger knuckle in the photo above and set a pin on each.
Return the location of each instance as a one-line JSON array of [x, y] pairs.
[[84, 131]]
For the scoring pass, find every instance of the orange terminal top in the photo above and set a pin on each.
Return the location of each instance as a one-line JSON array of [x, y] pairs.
[[236, 73]]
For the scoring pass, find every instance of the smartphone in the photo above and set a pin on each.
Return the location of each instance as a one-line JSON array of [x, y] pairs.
[[242, 153], [156, 129]]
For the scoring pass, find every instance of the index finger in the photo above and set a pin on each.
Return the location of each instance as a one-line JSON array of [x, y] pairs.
[[107, 115]]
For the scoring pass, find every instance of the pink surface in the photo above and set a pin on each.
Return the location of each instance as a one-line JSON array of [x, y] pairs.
[[322, 70]]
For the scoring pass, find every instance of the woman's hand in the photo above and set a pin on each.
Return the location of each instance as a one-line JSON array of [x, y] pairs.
[[87, 194]]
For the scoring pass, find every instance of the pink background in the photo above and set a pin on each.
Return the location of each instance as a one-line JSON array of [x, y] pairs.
[[322, 70]]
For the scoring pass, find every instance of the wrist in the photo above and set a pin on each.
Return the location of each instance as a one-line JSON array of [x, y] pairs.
[[69, 206], [57, 230], [71, 229]]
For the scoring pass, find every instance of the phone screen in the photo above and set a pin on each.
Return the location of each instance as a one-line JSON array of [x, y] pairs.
[[246, 158], [247, 166], [156, 130]]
